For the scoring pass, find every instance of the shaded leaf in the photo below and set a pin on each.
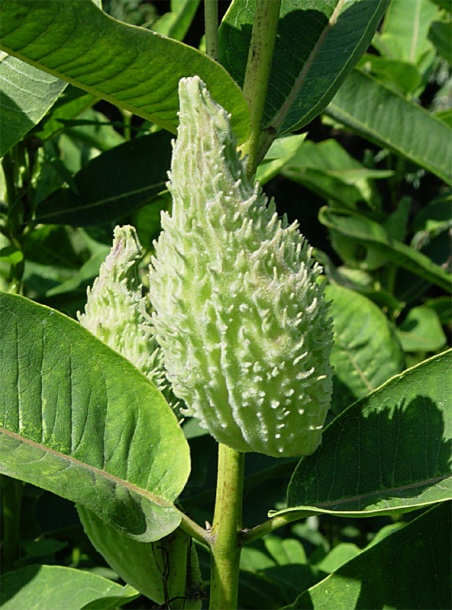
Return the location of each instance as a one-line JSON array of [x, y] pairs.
[[379, 114], [440, 34], [409, 569], [131, 67], [327, 169], [389, 452], [366, 242], [318, 44], [45, 587], [160, 570], [111, 185], [79, 420]]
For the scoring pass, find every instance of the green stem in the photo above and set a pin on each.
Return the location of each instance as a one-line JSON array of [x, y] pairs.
[[226, 544], [257, 75], [211, 28], [194, 530], [270, 526]]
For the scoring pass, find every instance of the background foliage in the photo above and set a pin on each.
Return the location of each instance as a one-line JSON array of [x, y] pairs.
[[367, 174]]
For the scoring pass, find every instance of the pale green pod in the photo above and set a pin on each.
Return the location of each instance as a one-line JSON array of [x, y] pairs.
[[238, 310], [115, 311]]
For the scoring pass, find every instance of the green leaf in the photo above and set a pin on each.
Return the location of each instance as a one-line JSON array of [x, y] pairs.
[[272, 572], [440, 34], [79, 420], [402, 76], [386, 453], [131, 67], [318, 44], [367, 241], [176, 23], [50, 587], [379, 114], [26, 94], [366, 352], [407, 23], [327, 169], [279, 154], [340, 554], [421, 331], [408, 569], [111, 185], [160, 570]]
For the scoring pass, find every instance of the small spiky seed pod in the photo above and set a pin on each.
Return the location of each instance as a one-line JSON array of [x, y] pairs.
[[115, 311], [239, 314]]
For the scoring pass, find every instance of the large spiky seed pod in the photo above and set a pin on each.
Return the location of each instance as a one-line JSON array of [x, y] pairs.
[[116, 313], [239, 313]]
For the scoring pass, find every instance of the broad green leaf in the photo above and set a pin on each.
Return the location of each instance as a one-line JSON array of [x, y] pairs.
[[406, 24], [79, 420], [41, 587], [366, 352], [408, 569], [389, 452], [421, 331], [26, 94], [377, 113], [161, 570], [367, 242], [129, 66], [111, 185], [318, 44]]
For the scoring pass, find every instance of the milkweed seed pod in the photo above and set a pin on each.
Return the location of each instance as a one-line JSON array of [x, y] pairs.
[[116, 312], [238, 312]]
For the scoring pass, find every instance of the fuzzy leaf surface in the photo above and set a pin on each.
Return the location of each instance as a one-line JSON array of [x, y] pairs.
[[129, 66], [382, 576], [318, 44], [79, 420], [379, 114], [389, 452]]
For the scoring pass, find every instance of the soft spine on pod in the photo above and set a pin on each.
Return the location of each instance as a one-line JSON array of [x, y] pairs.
[[116, 313], [238, 312]]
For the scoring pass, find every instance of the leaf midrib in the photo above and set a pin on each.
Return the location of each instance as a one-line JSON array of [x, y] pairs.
[[94, 469]]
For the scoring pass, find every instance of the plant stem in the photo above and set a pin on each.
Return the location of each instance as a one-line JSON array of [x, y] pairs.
[[211, 28], [257, 75], [194, 530], [270, 526], [227, 522]]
